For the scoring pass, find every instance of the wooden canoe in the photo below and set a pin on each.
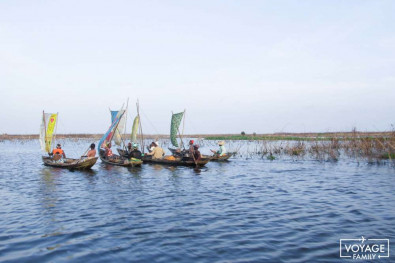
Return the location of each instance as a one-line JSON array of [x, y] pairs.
[[72, 164], [177, 162], [120, 161], [223, 158], [215, 157]]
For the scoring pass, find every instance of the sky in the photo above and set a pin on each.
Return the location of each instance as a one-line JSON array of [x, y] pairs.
[[253, 66]]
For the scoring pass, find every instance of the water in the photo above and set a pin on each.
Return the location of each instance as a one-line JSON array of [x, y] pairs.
[[252, 210]]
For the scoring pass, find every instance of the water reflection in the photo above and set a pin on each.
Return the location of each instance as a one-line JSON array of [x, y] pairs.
[[244, 210]]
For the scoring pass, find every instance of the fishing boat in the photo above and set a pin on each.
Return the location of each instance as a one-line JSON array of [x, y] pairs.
[[177, 159], [137, 131], [222, 158], [47, 139], [72, 164], [213, 158], [114, 132], [120, 160]]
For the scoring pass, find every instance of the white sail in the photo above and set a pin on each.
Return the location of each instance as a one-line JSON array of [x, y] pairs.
[[46, 131], [120, 129]]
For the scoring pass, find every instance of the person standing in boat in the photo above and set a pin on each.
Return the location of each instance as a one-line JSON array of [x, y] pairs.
[[157, 153], [191, 149], [59, 151], [92, 151], [196, 153], [222, 149]]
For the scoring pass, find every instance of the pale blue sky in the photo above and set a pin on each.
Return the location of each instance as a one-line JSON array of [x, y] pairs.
[[253, 66]]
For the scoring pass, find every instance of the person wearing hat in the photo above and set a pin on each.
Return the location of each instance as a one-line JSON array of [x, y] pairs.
[[58, 152], [222, 149], [157, 152], [151, 147], [92, 151], [135, 153]]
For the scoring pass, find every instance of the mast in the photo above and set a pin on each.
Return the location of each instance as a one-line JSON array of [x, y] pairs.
[[140, 126], [181, 135], [45, 131], [126, 122]]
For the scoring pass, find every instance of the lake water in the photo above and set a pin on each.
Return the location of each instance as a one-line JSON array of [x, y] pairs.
[[246, 210]]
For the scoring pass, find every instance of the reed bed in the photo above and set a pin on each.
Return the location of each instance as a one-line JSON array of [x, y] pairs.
[[373, 149]]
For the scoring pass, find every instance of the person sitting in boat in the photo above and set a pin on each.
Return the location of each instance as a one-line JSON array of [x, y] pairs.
[[222, 149], [151, 147], [135, 153], [157, 153], [58, 151], [129, 149], [92, 151], [108, 151], [196, 153]]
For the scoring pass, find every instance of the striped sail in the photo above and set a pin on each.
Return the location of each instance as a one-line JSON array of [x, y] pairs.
[[107, 137]]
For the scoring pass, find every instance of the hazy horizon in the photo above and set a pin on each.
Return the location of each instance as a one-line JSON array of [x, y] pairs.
[[253, 66]]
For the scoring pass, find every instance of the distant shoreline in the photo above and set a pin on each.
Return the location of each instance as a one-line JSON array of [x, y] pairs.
[[268, 136]]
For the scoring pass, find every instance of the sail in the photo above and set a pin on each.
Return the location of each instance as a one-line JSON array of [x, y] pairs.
[[135, 129], [47, 129], [113, 115], [175, 123], [107, 137], [121, 128]]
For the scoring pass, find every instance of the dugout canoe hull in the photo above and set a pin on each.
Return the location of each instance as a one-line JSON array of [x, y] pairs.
[[121, 161], [72, 164], [177, 162]]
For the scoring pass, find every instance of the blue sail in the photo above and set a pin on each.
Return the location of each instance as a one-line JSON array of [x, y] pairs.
[[113, 115], [110, 132]]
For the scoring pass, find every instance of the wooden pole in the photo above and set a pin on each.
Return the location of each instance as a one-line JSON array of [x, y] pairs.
[[126, 122], [45, 131], [140, 128], [183, 125]]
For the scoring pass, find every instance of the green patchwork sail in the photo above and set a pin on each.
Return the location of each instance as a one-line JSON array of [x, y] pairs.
[[175, 123]]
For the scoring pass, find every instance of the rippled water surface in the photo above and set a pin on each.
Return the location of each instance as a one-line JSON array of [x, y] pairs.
[[253, 210]]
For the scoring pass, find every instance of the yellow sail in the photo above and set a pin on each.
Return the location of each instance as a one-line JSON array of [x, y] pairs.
[[50, 130], [135, 129]]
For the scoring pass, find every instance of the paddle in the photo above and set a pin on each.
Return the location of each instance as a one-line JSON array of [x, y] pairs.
[[194, 160], [86, 151], [83, 154]]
